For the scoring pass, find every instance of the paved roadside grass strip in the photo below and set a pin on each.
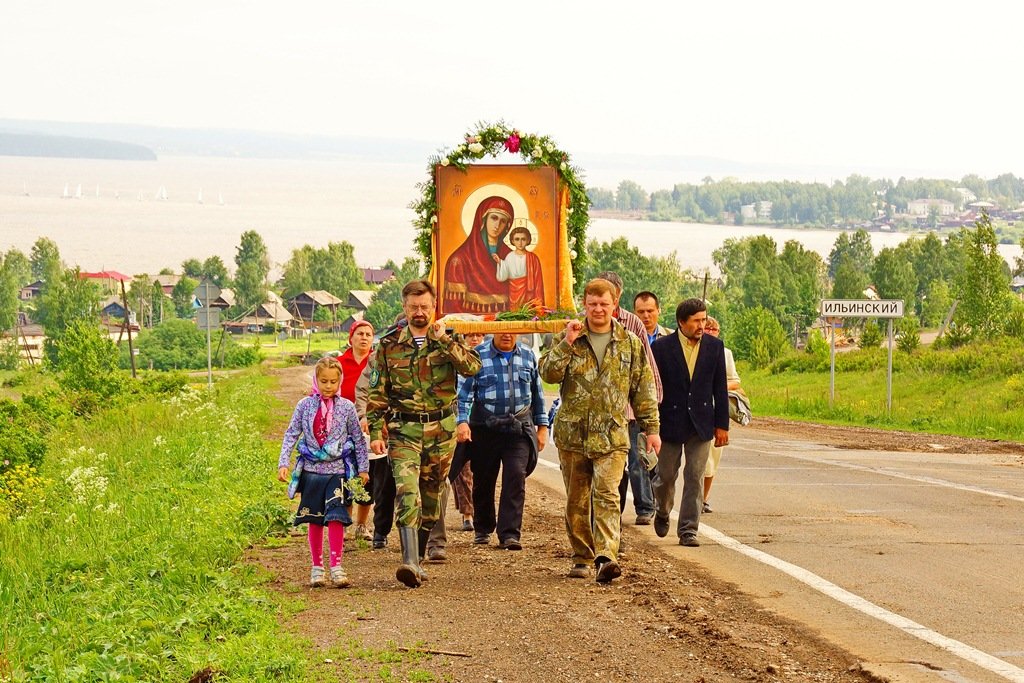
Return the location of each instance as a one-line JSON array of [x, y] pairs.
[[131, 565]]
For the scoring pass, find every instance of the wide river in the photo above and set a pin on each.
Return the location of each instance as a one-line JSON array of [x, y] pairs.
[[114, 219]]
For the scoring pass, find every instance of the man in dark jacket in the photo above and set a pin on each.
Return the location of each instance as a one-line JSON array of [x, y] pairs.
[[694, 414]]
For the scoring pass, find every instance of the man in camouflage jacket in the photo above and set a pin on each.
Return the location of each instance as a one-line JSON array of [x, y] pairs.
[[601, 367], [412, 391]]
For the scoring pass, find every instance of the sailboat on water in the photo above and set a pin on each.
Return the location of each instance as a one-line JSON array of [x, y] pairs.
[[78, 191], [67, 193], [200, 200], [220, 199], [161, 194]]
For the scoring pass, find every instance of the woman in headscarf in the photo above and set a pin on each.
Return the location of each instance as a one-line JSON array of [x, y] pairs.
[[353, 361], [470, 279]]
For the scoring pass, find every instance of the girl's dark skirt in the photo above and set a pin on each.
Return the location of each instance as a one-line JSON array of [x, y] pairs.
[[322, 500]]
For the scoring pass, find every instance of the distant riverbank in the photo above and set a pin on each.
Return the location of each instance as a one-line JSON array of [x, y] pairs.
[[120, 222]]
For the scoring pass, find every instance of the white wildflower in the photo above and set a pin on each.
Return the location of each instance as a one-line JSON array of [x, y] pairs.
[[86, 484]]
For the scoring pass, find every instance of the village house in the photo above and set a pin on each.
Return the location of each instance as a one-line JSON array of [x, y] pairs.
[[167, 282], [377, 276], [31, 291], [109, 281], [304, 305], [922, 207]]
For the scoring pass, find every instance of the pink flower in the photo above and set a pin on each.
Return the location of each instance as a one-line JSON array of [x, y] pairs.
[[512, 143], [470, 139]]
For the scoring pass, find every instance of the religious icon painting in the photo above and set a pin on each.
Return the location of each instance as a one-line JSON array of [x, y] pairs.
[[499, 246]]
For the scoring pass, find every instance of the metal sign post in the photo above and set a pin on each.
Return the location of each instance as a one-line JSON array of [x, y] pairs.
[[207, 317], [888, 384], [861, 308], [832, 372]]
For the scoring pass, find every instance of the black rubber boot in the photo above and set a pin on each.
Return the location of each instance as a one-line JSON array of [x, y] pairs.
[[423, 535], [409, 572]]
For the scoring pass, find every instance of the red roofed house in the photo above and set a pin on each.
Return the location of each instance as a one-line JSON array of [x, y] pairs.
[[108, 280]]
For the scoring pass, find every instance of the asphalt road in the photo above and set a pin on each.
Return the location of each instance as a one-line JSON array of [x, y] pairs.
[[912, 561]]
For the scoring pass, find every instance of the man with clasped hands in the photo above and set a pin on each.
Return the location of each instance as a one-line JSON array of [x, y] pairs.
[[600, 367], [412, 390]]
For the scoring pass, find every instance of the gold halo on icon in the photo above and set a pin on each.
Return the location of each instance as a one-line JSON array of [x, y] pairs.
[[519, 207]]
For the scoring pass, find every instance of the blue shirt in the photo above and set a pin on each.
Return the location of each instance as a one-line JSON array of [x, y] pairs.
[[492, 390]]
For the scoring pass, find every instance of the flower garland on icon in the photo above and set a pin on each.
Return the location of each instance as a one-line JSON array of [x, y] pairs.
[[492, 140]]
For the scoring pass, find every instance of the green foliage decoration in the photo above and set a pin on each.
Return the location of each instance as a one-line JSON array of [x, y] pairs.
[[492, 139]]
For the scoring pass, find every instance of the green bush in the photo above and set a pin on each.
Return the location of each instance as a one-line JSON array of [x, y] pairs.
[[87, 360], [908, 334], [871, 336], [180, 345], [1014, 325]]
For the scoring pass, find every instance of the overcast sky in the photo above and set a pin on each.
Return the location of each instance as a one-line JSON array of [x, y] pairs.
[[911, 87]]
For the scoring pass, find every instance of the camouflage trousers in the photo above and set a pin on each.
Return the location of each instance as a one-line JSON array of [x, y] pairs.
[[420, 455], [592, 483]]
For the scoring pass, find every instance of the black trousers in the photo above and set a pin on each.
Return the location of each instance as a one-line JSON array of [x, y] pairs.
[[383, 497], [489, 453]]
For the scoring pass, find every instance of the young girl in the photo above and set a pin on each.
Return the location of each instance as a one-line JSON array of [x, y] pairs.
[[331, 447], [353, 362]]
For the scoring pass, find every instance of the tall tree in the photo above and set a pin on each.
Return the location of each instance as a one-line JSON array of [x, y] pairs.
[[894, 277], [983, 284], [19, 266], [215, 271], [67, 298], [192, 268], [45, 259], [251, 273], [854, 249], [334, 269], [9, 287], [297, 276]]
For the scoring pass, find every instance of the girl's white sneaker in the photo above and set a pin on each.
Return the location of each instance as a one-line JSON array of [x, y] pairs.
[[316, 577], [338, 577]]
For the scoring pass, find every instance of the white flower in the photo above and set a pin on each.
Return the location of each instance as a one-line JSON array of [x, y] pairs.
[[445, 162], [86, 484], [433, 220], [538, 152], [572, 253], [569, 210], [476, 147], [562, 165], [572, 242], [460, 149]]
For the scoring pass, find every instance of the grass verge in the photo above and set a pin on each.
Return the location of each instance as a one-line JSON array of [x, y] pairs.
[[129, 566], [972, 391]]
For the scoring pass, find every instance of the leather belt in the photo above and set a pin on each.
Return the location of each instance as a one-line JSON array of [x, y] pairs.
[[424, 418]]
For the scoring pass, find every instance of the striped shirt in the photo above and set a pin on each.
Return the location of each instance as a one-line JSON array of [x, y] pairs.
[[491, 389]]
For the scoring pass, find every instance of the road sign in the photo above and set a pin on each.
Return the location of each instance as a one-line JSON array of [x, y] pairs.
[[205, 293], [862, 308], [208, 318]]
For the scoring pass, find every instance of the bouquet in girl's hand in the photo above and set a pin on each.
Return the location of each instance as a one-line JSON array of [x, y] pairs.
[[355, 488]]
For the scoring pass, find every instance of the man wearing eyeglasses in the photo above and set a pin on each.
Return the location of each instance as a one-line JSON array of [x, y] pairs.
[[412, 391]]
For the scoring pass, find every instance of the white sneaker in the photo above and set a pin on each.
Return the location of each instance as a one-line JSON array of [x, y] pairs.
[[316, 577], [338, 577]]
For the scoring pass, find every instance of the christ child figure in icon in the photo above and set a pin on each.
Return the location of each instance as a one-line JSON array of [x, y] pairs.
[[521, 269]]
